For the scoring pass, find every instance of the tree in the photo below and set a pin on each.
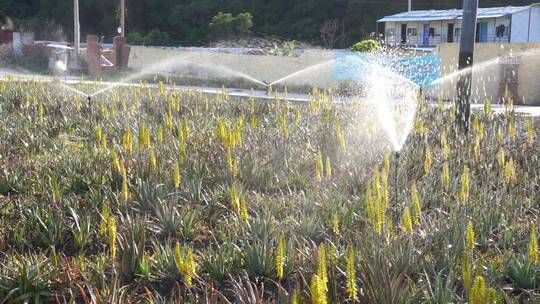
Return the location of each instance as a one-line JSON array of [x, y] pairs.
[[222, 25], [243, 24], [329, 32]]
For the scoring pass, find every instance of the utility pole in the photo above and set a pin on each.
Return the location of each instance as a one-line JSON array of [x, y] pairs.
[[123, 17], [466, 56], [76, 31], [410, 5]]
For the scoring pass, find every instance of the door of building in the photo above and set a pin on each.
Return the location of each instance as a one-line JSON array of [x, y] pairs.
[[483, 32], [404, 34], [426, 35], [450, 34]]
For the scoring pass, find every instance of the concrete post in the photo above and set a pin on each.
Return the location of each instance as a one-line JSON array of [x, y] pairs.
[[466, 56], [76, 31]]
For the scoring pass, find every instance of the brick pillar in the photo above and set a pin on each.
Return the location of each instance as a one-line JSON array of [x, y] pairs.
[[119, 45], [93, 59]]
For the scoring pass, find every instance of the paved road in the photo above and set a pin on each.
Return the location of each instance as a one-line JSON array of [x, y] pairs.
[[294, 97]]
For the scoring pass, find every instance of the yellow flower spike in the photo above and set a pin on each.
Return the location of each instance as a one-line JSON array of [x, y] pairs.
[[176, 175], [512, 129], [328, 167], [530, 130], [509, 171], [477, 147], [481, 131], [104, 141], [499, 136], [416, 205], [189, 268], [111, 233], [230, 161], [445, 176], [335, 224], [385, 196], [443, 139], [153, 161], [319, 166], [280, 257], [127, 141], [322, 269], [253, 122], [492, 296], [297, 117], [98, 135], [141, 135], [428, 160], [501, 158], [386, 163], [105, 213], [160, 134], [478, 292], [446, 152], [533, 246], [466, 271], [476, 123], [318, 294], [178, 259], [369, 203], [251, 105], [185, 128], [340, 135], [469, 238], [235, 198], [488, 108], [294, 297], [350, 273], [465, 185], [41, 113], [406, 221], [244, 215], [115, 161], [125, 189]]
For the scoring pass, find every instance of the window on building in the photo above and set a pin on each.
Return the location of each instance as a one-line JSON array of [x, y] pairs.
[[390, 32], [412, 32], [432, 32], [457, 32], [501, 30]]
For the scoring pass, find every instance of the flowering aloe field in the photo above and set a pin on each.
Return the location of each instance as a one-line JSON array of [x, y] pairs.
[[165, 196]]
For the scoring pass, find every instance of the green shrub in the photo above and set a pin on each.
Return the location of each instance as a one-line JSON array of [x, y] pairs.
[[225, 25], [153, 38], [367, 46]]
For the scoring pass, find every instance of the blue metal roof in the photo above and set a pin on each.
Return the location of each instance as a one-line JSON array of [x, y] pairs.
[[435, 15]]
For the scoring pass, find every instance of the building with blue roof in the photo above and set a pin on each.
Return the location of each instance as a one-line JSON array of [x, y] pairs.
[[432, 27]]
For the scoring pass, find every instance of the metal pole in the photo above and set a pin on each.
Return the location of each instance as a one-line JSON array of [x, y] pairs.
[[76, 30], [410, 5], [123, 17], [466, 56]]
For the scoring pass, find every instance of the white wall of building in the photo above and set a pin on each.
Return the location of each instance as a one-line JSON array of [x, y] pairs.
[[534, 31], [520, 26]]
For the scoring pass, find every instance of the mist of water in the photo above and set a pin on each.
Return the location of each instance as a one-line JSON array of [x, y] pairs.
[[303, 72], [172, 66]]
